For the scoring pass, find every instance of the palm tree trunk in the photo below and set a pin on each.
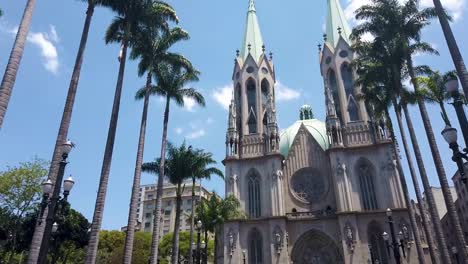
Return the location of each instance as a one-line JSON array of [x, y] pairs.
[[215, 259], [452, 45], [14, 61], [63, 130], [412, 216], [157, 214], [451, 210], [175, 237], [128, 249], [427, 189], [91, 253], [205, 259], [192, 220]]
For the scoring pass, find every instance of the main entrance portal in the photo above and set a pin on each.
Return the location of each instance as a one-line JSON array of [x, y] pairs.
[[315, 247]]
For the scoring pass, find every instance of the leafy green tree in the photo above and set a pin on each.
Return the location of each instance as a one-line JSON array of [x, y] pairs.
[[215, 211], [165, 248], [111, 247], [130, 17]]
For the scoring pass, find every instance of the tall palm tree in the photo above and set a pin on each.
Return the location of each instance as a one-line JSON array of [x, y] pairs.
[[64, 123], [172, 81], [378, 93], [151, 47], [131, 15], [9, 78], [432, 89], [181, 163], [452, 45], [200, 172], [396, 27]]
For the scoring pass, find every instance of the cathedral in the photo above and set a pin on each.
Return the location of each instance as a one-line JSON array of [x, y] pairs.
[[317, 191]]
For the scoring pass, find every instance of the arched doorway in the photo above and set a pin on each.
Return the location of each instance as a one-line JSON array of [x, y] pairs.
[[315, 247]]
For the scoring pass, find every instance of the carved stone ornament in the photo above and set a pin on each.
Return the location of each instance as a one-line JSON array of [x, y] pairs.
[[277, 175], [349, 236], [340, 168], [278, 239], [231, 239], [233, 179]]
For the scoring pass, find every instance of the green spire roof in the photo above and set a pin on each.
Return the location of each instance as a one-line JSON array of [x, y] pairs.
[[253, 36], [336, 19]]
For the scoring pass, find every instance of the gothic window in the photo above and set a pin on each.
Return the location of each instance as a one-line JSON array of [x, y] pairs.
[[377, 247], [238, 100], [254, 195], [366, 174], [334, 89], [352, 109], [252, 106], [265, 92], [308, 185], [347, 76], [255, 247]]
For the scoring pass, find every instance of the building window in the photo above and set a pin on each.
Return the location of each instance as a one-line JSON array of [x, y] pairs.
[[150, 197], [252, 106], [254, 195], [149, 206], [147, 224], [366, 172], [148, 215], [334, 89], [255, 247], [265, 92], [347, 76]]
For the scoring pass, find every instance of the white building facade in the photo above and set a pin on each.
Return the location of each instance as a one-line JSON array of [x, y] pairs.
[[318, 191]]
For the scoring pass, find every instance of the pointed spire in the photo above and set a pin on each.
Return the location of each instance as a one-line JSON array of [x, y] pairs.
[[337, 25], [252, 36]]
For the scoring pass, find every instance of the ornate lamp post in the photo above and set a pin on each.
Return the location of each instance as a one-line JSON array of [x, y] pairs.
[[243, 256], [395, 245], [450, 135], [453, 89], [198, 226], [203, 255], [55, 202]]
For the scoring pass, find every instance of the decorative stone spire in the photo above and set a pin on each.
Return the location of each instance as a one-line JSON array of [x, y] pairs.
[[336, 20], [252, 36]]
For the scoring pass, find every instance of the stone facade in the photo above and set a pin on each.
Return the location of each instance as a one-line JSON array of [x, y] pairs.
[[318, 191]]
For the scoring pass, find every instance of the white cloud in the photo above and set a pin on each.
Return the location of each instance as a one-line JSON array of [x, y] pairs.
[[189, 104], [209, 120], [196, 134], [284, 93], [45, 41], [179, 130], [223, 95]]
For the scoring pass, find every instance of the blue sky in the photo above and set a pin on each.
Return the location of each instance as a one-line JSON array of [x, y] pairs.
[[291, 30]]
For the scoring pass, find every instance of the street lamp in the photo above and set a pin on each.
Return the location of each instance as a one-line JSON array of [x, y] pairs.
[[450, 135], [243, 256], [394, 243], [199, 226], [52, 200], [452, 88]]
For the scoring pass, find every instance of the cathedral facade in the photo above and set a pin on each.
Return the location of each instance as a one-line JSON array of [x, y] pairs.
[[316, 192]]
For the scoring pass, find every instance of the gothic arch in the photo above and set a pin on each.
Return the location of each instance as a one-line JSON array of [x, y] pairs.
[[238, 101], [377, 247], [251, 91], [254, 194], [255, 249], [347, 77], [265, 88], [332, 83], [366, 174], [314, 246]]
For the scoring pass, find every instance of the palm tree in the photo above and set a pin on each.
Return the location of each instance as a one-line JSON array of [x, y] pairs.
[[65, 122], [452, 45], [378, 93], [131, 15], [213, 213], [151, 47], [8, 81], [172, 81], [432, 89], [200, 172], [181, 163], [396, 26]]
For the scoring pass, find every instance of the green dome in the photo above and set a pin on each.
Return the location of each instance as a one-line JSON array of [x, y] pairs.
[[315, 127]]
